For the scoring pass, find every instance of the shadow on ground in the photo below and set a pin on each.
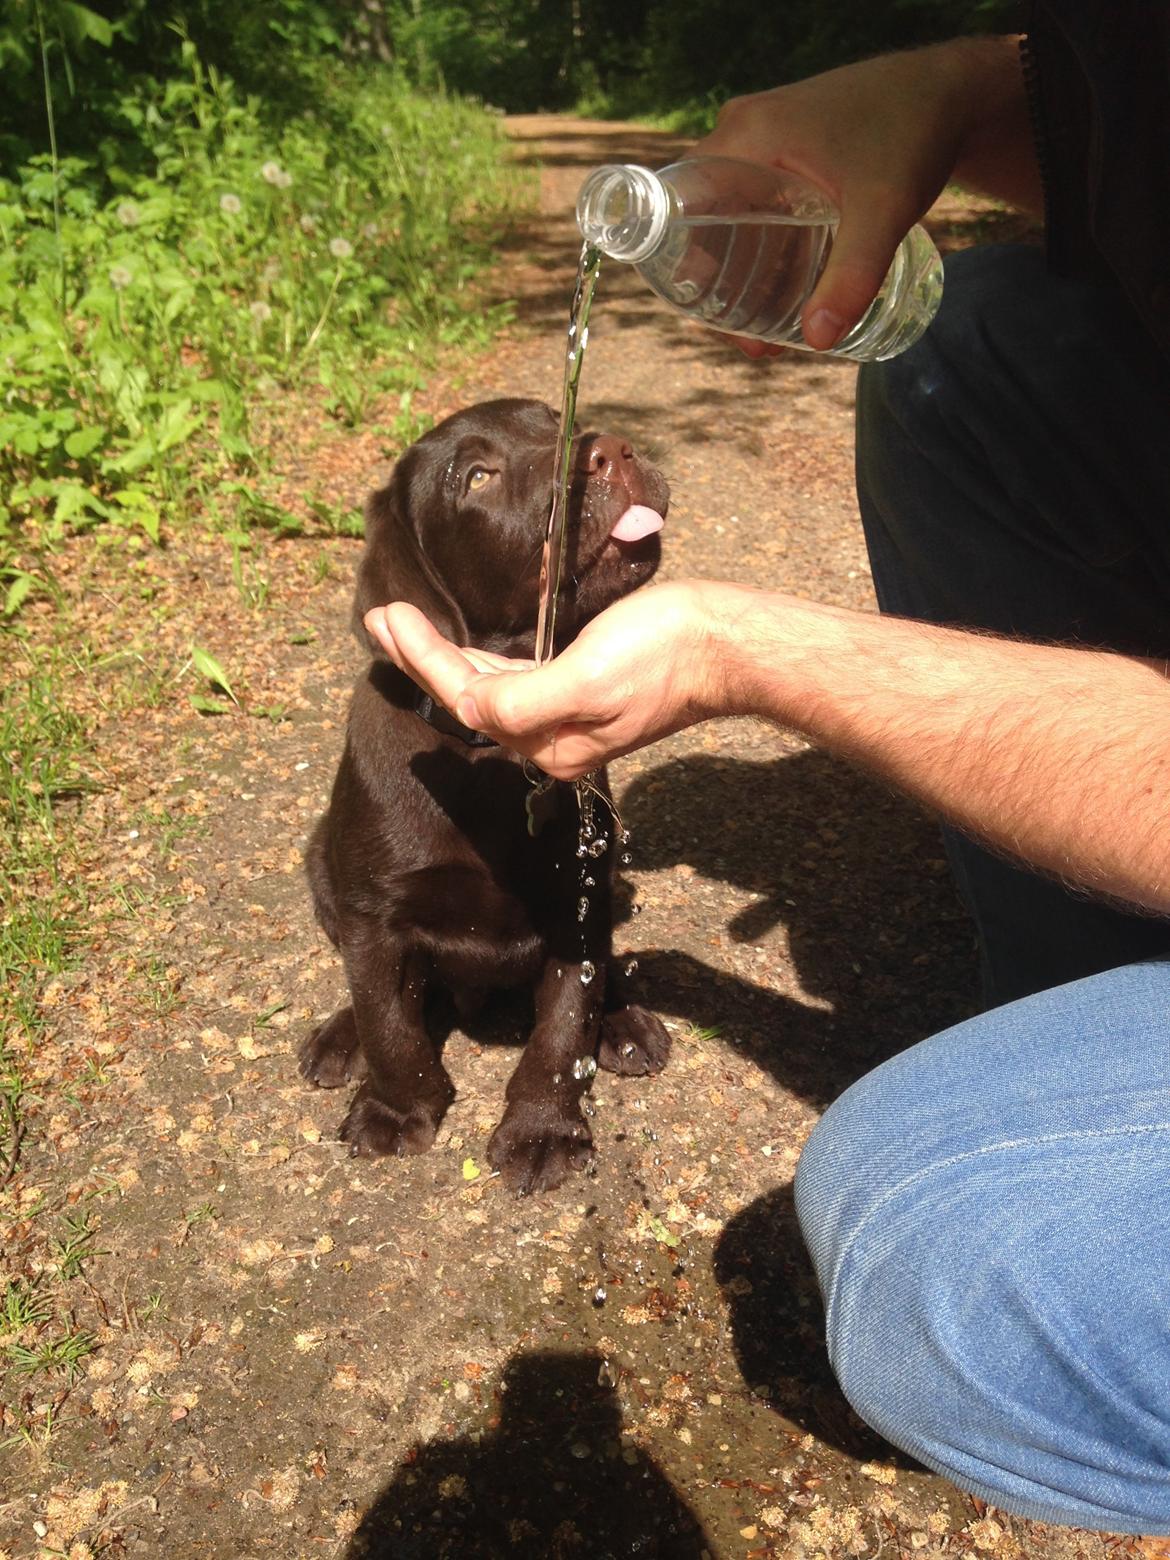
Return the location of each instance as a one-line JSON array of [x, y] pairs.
[[548, 1475]]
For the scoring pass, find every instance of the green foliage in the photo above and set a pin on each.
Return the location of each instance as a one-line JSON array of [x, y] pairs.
[[152, 291], [659, 57]]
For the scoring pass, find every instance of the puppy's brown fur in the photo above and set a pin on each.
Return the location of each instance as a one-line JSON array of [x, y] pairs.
[[423, 870]]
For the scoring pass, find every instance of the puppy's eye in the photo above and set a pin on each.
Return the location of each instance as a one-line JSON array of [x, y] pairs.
[[478, 478]]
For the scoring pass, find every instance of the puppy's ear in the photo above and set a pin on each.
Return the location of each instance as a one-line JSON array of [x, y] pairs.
[[394, 566]]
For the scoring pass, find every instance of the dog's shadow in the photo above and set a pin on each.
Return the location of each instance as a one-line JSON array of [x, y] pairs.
[[549, 1474]]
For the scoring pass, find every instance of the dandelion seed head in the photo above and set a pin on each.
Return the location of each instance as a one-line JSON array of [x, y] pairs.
[[308, 224], [271, 172], [340, 248], [232, 204], [128, 214], [121, 276], [260, 311]]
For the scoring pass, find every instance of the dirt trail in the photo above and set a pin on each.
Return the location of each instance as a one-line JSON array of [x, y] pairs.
[[299, 1354]]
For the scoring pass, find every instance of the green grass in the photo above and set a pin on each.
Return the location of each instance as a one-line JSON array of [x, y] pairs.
[[42, 749], [148, 318]]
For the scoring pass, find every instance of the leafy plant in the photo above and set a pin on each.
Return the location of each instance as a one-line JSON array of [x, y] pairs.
[[155, 290]]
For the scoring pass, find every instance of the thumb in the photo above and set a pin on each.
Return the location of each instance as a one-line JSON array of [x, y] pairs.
[[862, 253]]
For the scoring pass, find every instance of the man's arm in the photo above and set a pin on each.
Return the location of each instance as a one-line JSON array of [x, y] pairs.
[[1057, 756], [1060, 757]]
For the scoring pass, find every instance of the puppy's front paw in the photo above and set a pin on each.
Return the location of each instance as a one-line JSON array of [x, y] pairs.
[[537, 1144], [372, 1127], [331, 1055], [634, 1042]]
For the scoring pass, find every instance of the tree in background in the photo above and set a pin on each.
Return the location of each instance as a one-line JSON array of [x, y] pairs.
[[655, 56], [628, 56]]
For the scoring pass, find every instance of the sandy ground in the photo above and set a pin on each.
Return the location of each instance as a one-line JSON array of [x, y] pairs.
[[300, 1354]]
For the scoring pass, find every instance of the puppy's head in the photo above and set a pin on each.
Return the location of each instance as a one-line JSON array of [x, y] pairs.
[[460, 527]]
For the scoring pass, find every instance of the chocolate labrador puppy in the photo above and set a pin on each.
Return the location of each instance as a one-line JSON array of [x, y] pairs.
[[445, 860]]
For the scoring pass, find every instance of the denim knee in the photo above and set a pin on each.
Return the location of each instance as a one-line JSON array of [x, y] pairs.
[[985, 1214]]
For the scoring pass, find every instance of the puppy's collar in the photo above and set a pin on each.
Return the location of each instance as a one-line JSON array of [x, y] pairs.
[[435, 715]]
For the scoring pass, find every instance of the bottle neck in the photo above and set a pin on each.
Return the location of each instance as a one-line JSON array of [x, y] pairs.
[[623, 210]]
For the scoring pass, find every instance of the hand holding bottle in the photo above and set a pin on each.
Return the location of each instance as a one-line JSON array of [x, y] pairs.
[[882, 138]]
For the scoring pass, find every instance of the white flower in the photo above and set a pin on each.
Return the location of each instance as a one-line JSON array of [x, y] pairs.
[[308, 224], [370, 230], [128, 214], [232, 204], [340, 248], [121, 276], [260, 311], [273, 173]]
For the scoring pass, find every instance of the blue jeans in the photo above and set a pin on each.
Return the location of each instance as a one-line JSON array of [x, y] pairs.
[[989, 1217], [989, 1213]]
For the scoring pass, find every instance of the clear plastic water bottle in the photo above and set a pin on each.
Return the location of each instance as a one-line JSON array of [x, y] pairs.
[[741, 247]]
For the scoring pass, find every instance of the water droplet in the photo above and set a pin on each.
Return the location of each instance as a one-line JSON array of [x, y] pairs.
[[600, 1295], [582, 908], [625, 836], [587, 829], [599, 846], [588, 971], [626, 858], [584, 1068], [590, 882], [582, 850], [629, 1048], [579, 1450], [631, 966], [635, 909], [556, 1077], [606, 1376]]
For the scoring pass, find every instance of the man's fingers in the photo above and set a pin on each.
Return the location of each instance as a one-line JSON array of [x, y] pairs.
[[863, 251], [522, 704], [414, 644], [486, 691]]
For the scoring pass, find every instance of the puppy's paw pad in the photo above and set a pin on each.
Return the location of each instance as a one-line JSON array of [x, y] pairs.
[[331, 1056], [373, 1128], [633, 1042], [534, 1151]]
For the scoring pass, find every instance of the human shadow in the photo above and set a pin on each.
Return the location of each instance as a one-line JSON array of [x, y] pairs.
[[549, 1475], [853, 875], [778, 1331]]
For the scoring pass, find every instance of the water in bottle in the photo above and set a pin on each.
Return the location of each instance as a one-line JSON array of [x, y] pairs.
[[741, 247]]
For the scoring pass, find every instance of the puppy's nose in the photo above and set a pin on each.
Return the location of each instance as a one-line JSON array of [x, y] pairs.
[[604, 455]]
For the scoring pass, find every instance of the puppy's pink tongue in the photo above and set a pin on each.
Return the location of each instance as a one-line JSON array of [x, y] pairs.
[[638, 521]]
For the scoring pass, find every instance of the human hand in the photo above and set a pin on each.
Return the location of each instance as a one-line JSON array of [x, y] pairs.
[[645, 667], [881, 138]]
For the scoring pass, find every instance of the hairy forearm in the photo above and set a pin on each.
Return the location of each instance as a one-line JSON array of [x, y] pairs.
[[1058, 756]]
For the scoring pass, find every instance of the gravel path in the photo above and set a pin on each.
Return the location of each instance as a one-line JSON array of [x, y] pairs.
[[298, 1354]]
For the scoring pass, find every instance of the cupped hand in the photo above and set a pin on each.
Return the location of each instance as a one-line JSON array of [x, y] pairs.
[[647, 666]]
